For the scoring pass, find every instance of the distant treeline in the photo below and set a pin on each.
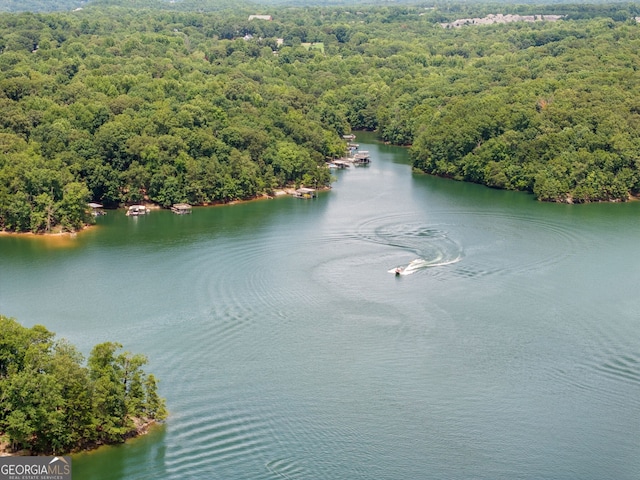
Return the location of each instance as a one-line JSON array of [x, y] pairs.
[[591, 9], [51, 403], [120, 105]]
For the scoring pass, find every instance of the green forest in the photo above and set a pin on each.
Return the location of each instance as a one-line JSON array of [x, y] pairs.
[[194, 102], [51, 403]]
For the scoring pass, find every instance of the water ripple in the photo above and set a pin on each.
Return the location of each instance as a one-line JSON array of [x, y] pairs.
[[507, 232], [625, 368], [286, 468], [487, 232], [218, 441], [432, 244]]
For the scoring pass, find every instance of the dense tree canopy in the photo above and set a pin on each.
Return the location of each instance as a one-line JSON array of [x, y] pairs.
[[51, 403], [167, 104], [556, 115]]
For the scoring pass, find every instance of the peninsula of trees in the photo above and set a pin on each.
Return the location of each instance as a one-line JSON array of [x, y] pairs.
[[193, 102], [53, 404]]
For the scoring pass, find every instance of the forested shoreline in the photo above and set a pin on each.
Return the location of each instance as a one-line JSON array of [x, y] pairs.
[[121, 105], [51, 403]]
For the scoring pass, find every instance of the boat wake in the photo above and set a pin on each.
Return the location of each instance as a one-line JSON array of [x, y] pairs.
[[421, 264], [430, 245]]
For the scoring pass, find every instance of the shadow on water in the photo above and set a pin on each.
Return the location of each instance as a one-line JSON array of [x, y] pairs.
[[384, 151], [141, 457], [160, 229]]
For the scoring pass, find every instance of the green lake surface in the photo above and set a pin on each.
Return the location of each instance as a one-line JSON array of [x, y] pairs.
[[286, 349]]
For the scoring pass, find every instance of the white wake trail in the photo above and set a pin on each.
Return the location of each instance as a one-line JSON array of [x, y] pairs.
[[421, 264]]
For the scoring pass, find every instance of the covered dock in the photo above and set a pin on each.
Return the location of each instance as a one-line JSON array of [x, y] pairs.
[[341, 164], [362, 158], [181, 208], [305, 193], [96, 209], [135, 210]]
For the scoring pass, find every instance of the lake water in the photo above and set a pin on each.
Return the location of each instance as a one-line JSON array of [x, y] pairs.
[[286, 349]]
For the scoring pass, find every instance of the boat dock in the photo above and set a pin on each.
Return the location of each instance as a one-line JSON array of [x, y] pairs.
[[136, 210], [341, 164], [305, 193], [181, 208], [354, 156], [96, 209], [362, 158]]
